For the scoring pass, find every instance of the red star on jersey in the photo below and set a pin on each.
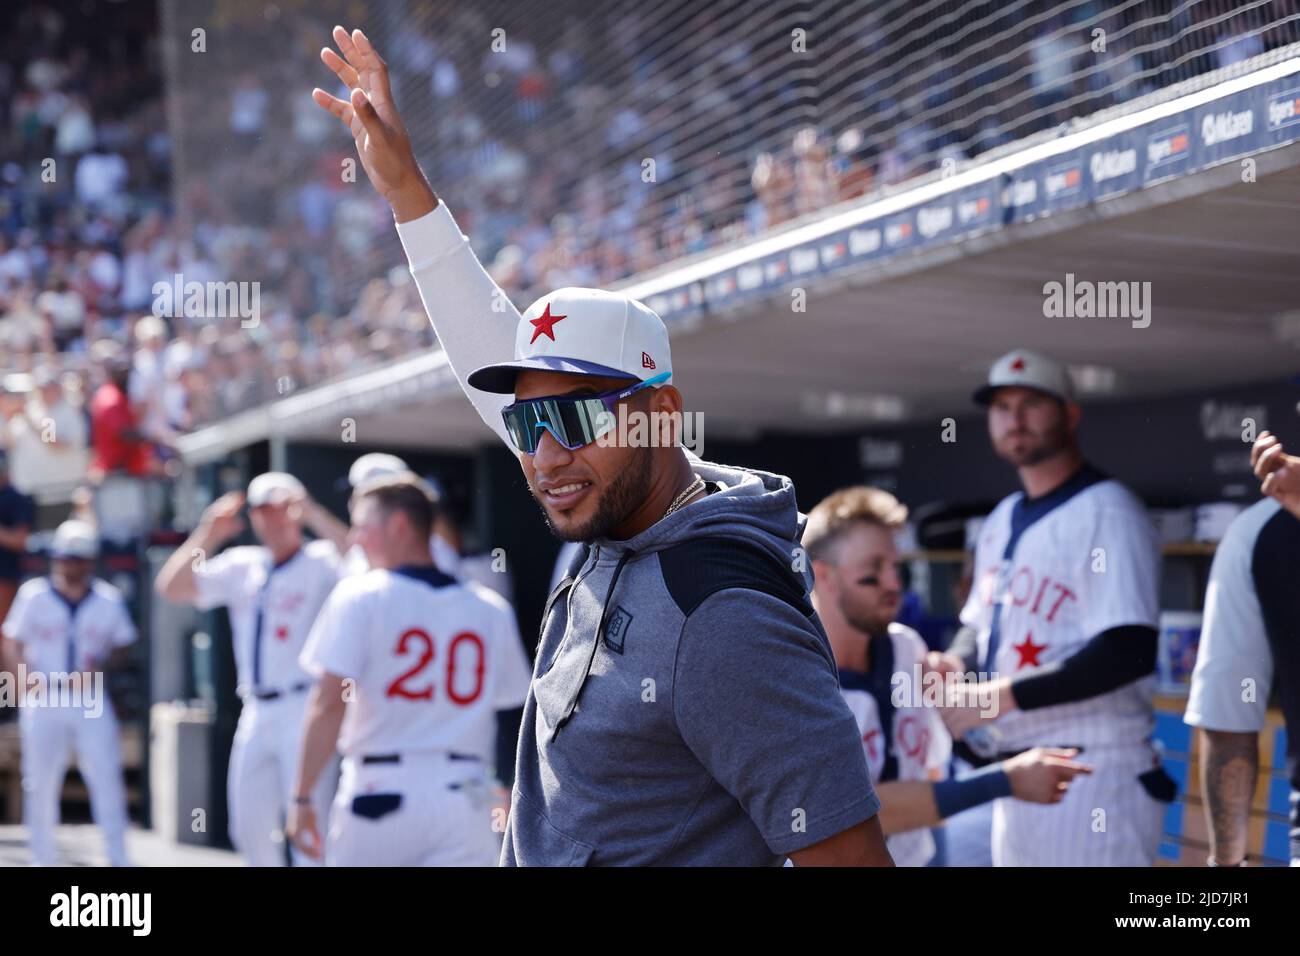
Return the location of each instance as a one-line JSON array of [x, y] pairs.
[[1028, 652], [1018, 365], [282, 632], [544, 324]]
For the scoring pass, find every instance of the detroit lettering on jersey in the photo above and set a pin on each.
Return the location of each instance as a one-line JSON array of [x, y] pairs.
[[1089, 564], [431, 661], [920, 742]]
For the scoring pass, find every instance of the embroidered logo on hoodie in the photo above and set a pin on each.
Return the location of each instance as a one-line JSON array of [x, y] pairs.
[[616, 632]]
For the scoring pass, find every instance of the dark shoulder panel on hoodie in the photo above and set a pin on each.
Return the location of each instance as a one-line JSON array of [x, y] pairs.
[[699, 567]]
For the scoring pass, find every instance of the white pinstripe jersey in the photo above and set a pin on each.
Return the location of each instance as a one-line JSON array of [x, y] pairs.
[[921, 742], [1088, 565]]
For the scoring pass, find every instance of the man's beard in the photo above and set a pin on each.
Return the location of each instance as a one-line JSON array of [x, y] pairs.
[[625, 494], [1055, 440], [74, 579], [866, 623]]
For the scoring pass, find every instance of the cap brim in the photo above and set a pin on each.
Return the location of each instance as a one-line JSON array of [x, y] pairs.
[[500, 379], [984, 394], [277, 497]]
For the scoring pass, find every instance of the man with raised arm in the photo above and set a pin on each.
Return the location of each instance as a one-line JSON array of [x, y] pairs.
[[685, 705]]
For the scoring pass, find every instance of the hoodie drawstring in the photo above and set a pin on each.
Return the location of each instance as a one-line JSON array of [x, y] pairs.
[[604, 610], [600, 636]]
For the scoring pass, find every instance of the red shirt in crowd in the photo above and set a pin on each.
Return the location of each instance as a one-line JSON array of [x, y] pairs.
[[110, 416]]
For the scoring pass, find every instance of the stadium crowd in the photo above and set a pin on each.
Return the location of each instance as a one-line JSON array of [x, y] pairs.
[[108, 187]]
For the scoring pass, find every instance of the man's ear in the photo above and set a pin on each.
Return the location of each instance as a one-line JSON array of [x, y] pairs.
[[1073, 415], [824, 577], [665, 410]]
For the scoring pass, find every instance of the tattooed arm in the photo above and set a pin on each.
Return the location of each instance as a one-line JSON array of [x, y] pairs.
[[1229, 766]]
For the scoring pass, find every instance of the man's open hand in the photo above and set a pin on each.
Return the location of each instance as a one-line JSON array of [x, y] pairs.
[[371, 117]]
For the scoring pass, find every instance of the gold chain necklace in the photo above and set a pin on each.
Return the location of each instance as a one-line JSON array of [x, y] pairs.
[[691, 489]]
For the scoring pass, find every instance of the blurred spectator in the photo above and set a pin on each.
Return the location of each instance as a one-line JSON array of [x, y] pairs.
[[16, 522], [1053, 54], [118, 443], [101, 175], [545, 146], [1237, 43], [148, 379], [46, 443], [814, 178], [774, 183]]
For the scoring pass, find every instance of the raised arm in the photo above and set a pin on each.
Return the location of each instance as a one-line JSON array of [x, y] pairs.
[[471, 315], [220, 522], [323, 524]]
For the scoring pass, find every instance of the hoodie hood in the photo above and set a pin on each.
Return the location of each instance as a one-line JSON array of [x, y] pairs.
[[752, 505]]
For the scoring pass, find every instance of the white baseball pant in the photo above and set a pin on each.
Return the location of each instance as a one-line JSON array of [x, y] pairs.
[[260, 782], [50, 737], [1106, 819], [427, 810]]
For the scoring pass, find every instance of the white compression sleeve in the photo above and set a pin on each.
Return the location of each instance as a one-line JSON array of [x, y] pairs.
[[471, 315]]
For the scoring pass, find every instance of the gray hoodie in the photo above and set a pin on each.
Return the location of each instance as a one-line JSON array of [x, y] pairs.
[[685, 704]]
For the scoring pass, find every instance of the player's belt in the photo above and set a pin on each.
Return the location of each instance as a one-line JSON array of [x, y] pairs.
[[275, 694], [397, 758]]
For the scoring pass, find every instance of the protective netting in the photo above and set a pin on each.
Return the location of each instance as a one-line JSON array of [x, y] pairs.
[[581, 143]]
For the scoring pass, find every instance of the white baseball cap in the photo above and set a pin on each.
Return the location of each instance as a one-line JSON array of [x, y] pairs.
[[75, 539], [585, 332], [374, 465], [1025, 369], [273, 487]]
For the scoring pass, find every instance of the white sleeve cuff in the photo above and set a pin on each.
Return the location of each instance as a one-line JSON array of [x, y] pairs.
[[1245, 720], [429, 238]]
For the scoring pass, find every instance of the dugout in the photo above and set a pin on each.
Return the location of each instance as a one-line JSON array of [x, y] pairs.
[[842, 349]]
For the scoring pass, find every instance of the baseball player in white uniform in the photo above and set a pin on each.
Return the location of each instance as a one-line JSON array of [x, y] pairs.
[[858, 592], [1250, 647], [1062, 624], [376, 465], [66, 629], [443, 546], [412, 667], [273, 592]]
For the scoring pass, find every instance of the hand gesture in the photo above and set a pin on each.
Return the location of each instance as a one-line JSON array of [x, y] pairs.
[[1279, 472], [221, 519], [374, 124], [1043, 774]]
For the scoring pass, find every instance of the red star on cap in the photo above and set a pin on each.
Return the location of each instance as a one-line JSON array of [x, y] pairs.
[[1028, 652], [282, 632], [1018, 365], [544, 324]]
